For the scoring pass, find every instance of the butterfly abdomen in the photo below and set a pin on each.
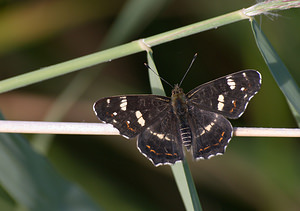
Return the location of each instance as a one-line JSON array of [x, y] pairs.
[[180, 109], [186, 135]]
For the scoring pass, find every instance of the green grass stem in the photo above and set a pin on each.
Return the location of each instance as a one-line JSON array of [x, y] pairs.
[[116, 52], [180, 170]]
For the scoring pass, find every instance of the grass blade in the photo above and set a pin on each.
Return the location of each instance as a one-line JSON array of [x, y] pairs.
[[279, 71]]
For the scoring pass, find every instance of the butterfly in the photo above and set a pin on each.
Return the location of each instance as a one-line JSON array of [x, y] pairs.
[[196, 120]]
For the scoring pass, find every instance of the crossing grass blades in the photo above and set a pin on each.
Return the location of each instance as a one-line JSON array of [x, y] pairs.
[[196, 120]]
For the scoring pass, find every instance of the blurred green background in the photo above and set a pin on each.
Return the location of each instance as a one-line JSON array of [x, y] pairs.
[[254, 173]]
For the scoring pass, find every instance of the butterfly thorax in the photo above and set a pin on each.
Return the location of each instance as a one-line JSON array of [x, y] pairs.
[[180, 109], [179, 101]]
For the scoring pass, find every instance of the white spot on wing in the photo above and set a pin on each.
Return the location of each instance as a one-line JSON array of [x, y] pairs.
[[108, 101], [140, 118], [208, 127], [221, 102], [138, 114], [115, 113], [125, 136], [160, 136], [95, 108], [231, 83], [203, 131], [123, 104], [220, 106], [221, 98]]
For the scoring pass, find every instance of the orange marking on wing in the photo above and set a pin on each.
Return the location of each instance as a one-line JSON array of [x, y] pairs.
[[133, 130], [205, 148], [221, 137], [216, 144], [151, 150], [234, 103], [234, 106]]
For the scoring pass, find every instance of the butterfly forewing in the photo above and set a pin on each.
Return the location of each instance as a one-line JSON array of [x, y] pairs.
[[228, 95], [131, 114]]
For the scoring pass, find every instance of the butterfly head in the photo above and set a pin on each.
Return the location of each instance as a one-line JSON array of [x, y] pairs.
[[177, 91]]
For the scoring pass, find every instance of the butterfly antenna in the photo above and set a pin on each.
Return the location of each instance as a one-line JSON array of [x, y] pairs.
[[158, 75], [194, 58]]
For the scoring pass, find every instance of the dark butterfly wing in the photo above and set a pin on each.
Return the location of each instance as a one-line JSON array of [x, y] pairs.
[[152, 117], [161, 142], [131, 114], [228, 95], [211, 133]]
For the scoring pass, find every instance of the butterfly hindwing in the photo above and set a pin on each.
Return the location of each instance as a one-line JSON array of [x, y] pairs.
[[131, 114], [211, 133], [228, 95], [161, 142]]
